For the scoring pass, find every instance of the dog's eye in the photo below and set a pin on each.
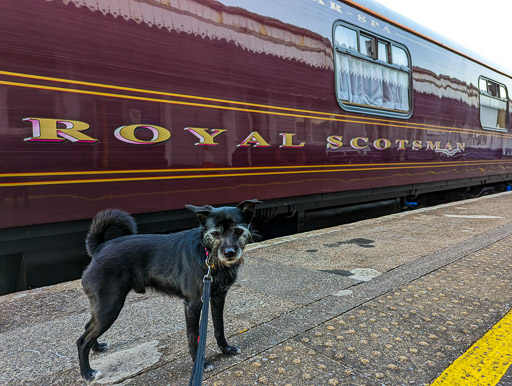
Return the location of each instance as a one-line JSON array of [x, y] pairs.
[[238, 231], [215, 234]]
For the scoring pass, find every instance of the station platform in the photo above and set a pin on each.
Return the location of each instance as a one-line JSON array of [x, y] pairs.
[[418, 297]]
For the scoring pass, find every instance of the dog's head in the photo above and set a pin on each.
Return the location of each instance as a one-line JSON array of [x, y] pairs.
[[226, 230]]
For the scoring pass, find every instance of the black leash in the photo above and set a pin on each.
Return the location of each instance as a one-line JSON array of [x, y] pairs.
[[197, 372]]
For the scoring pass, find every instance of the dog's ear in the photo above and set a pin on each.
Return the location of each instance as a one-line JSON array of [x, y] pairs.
[[247, 207], [202, 212]]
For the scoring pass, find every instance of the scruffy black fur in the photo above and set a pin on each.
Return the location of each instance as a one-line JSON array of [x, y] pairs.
[[173, 264]]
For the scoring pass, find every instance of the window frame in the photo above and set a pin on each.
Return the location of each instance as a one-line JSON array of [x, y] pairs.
[[498, 86], [366, 109]]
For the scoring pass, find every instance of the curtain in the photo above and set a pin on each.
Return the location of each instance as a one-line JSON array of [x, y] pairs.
[[493, 112], [346, 38], [371, 84]]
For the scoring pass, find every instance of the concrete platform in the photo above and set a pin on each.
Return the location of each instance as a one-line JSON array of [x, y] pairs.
[[393, 300]]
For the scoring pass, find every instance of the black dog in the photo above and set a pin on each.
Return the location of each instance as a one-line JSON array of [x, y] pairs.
[[173, 264]]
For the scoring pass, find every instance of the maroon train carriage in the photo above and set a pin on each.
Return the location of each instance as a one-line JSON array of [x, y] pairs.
[[147, 105]]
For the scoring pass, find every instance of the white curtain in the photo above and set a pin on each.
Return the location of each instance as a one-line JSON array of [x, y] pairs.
[[346, 38], [372, 84], [492, 112]]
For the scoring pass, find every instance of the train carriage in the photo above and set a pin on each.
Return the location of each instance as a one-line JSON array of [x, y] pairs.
[[147, 105]]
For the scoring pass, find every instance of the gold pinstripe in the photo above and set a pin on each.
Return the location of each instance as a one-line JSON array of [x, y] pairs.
[[327, 116], [200, 176]]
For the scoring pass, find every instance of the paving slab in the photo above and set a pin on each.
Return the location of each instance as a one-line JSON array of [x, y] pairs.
[[391, 301], [507, 378], [298, 284], [408, 334], [388, 242], [290, 363]]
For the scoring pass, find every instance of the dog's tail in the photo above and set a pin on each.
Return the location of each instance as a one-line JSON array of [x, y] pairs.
[[107, 225]]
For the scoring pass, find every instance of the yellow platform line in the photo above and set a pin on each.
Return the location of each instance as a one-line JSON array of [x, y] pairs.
[[485, 362]]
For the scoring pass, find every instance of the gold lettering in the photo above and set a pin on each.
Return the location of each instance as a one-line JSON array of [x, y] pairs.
[[401, 143], [334, 142], [417, 145], [254, 139], [205, 139], [127, 134], [288, 141], [433, 146], [354, 143], [336, 7], [460, 146], [382, 143], [52, 130]]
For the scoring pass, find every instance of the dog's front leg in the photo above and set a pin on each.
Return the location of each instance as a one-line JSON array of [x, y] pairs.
[[217, 304], [192, 317]]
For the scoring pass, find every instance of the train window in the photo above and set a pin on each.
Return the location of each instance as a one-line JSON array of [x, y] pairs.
[[399, 56], [493, 105], [383, 51], [346, 38], [367, 45], [493, 89], [373, 74], [503, 92], [482, 84]]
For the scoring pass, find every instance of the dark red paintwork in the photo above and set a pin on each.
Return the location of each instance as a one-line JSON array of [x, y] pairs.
[[250, 64]]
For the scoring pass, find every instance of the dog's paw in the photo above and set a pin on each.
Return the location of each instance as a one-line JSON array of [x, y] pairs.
[[207, 366], [93, 375], [231, 350], [100, 347], [97, 375]]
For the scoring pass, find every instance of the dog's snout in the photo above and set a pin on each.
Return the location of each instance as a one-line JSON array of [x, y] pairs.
[[229, 252]]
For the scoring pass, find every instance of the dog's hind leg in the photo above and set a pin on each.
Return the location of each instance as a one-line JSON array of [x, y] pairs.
[[96, 347], [99, 347], [103, 317], [84, 344], [217, 304]]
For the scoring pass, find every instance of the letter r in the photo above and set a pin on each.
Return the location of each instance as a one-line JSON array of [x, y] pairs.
[[51, 130]]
